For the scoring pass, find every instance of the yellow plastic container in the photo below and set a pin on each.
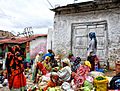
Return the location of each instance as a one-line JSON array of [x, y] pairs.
[[101, 85]]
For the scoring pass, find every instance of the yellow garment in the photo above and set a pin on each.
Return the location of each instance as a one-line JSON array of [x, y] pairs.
[[87, 63], [47, 65]]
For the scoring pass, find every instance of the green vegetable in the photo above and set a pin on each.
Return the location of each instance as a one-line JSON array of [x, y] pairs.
[[100, 78], [88, 84], [86, 89], [51, 89]]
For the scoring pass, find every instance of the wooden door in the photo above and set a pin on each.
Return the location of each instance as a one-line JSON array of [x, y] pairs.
[[80, 39]]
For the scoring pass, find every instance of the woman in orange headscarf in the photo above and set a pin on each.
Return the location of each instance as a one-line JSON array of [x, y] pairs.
[[15, 69]]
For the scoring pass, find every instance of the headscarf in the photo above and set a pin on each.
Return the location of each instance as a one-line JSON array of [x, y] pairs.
[[40, 52], [47, 58], [65, 72], [67, 61], [16, 48], [87, 63], [93, 35]]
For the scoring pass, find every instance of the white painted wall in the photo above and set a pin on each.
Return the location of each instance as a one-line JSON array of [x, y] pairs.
[[62, 29], [39, 44]]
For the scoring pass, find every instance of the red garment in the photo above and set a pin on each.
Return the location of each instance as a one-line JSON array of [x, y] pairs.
[[50, 84], [41, 68], [15, 69], [81, 74], [17, 81]]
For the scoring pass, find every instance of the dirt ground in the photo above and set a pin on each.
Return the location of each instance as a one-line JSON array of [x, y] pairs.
[[108, 73]]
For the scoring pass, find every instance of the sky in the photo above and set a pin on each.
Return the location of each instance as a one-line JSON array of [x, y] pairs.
[[15, 15]]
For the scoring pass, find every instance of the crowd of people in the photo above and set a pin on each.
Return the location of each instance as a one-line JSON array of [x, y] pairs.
[[51, 71], [61, 71]]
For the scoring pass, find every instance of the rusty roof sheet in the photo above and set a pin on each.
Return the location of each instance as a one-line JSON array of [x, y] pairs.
[[20, 40], [87, 6]]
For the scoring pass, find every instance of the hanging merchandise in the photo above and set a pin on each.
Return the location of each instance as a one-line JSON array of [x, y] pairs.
[[28, 57], [28, 52]]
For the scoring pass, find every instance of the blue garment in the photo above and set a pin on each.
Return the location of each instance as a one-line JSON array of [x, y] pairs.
[[117, 84], [47, 54]]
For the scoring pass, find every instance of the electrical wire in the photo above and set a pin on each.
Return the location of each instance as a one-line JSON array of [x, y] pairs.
[[49, 3]]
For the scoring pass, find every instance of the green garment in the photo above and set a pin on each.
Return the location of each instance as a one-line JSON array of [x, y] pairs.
[[28, 57]]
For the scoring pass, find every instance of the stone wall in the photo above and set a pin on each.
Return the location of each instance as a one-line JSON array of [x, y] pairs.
[[49, 38], [62, 30]]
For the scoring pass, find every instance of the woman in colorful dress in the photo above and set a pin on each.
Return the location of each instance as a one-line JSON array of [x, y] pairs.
[[81, 74], [37, 65], [47, 64], [15, 70]]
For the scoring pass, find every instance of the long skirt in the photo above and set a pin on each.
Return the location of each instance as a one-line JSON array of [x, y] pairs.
[[92, 60], [17, 82]]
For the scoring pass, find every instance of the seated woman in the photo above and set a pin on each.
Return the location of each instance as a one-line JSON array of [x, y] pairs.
[[56, 63], [63, 75], [38, 66], [76, 64], [65, 72], [53, 81], [47, 64], [81, 74]]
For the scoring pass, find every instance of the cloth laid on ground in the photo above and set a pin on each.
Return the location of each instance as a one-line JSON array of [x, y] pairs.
[[66, 87], [94, 74], [46, 78]]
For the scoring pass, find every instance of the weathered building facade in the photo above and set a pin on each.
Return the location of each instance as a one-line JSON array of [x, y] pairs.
[[72, 24], [29, 45]]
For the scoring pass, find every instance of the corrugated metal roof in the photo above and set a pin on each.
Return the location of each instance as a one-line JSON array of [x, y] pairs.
[[19, 40], [81, 4], [88, 6]]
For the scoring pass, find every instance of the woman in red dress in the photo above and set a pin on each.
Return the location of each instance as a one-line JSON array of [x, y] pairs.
[[15, 69]]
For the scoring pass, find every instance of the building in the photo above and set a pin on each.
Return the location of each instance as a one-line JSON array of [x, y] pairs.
[[29, 45], [73, 22]]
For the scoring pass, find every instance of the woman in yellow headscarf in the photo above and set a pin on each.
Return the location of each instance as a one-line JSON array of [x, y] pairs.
[[46, 63], [82, 73]]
